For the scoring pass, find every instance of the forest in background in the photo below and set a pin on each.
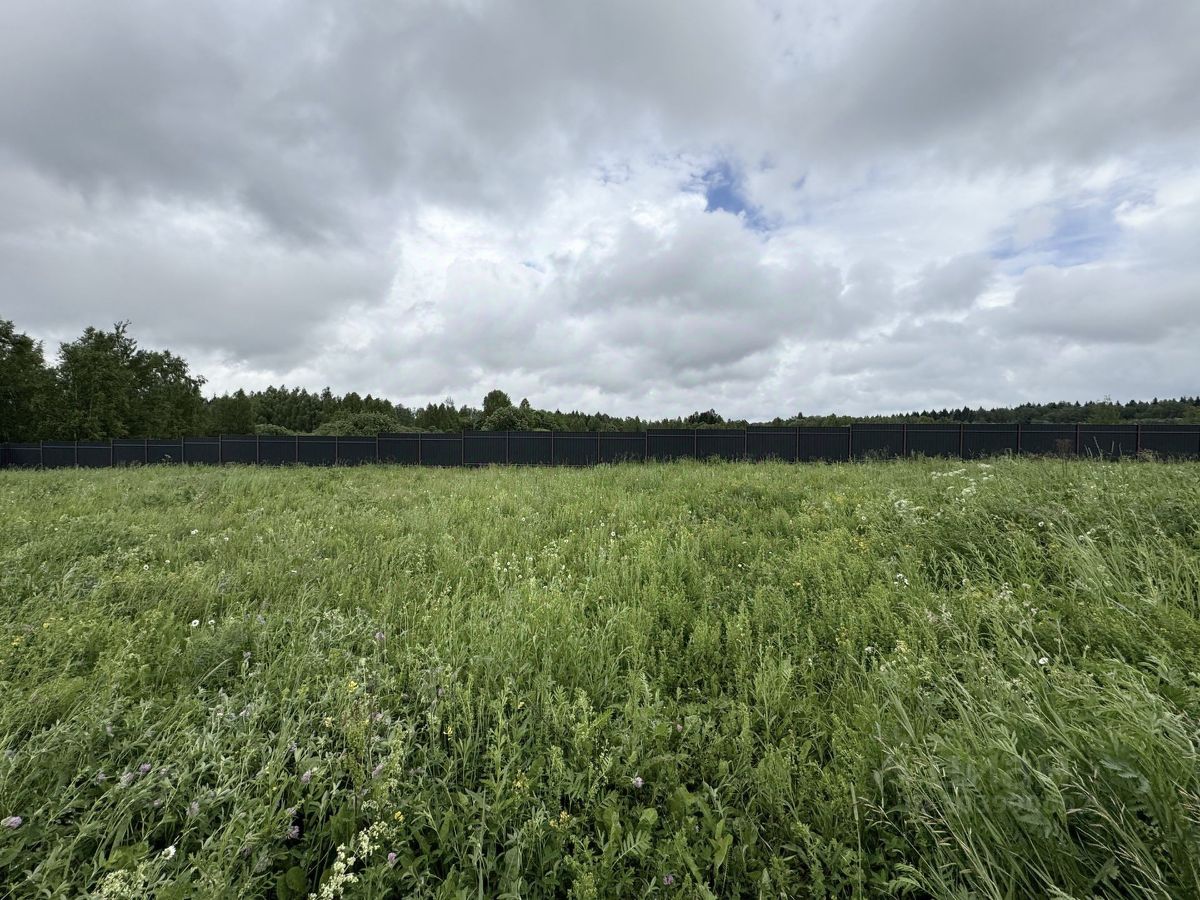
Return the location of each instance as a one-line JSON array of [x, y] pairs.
[[103, 385]]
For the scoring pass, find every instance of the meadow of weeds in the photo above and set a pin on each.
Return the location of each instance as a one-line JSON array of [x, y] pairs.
[[920, 678]]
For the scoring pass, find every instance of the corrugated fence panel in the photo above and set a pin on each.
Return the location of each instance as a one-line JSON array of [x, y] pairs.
[[441, 449], [580, 448], [576, 448], [1177, 441], [277, 450], [530, 448], [772, 443], [877, 440], [94, 454], [670, 444], [128, 451], [315, 449], [724, 443], [1108, 440], [239, 448], [621, 446], [165, 450], [25, 456], [933, 440], [828, 443], [1048, 439], [58, 454], [403, 448], [202, 451], [485, 448], [355, 451], [983, 439]]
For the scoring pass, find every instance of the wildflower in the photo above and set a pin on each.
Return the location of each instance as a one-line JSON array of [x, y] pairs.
[[193, 809], [1044, 661], [212, 621], [157, 802], [399, 816], [449, 731], [101, 778], [678, 727], [391, 860], [195, 531], [306, 777], [195, 623], [379, 636], [146, 567], [637, 781], [352, 686], [108, 730], [377, 771], [127, 779], [293, 832], [246, 655], [668, 879], [12, 822], [144, 769], [170, 851]]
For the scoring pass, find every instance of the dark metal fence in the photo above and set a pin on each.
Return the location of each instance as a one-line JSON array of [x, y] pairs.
[[586, 448]]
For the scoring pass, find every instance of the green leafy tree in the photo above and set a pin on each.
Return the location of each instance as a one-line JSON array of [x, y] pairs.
[[495, 400], [27, 389], [98, 384], [232, 414]]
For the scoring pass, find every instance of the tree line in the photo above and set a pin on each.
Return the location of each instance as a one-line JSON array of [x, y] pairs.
[[103, 385]]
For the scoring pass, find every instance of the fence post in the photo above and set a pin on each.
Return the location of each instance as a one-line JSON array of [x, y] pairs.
[[597, 448], [1018, 439], [77, 454], [419, 463], [1139, 438], [182, 451], [462, 448], [257, 449], [1077, 448], [904, 438], [111, 463], [850, 442], [376, 448], [41, 454], [507, 452], [695, 443], [745, 444], [220, 449], [145, 451], [296, 447], [797, 443], [645, 446]]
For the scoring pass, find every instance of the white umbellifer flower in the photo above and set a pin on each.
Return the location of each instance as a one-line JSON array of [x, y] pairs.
[[1043, 661]]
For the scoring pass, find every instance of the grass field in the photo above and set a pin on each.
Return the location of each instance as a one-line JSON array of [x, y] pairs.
[[923, 678]]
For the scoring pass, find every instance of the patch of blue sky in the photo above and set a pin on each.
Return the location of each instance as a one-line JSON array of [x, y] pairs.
[[1081, 231], [724, 188]]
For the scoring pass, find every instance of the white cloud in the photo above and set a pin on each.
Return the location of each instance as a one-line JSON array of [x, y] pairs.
[[968, 204]]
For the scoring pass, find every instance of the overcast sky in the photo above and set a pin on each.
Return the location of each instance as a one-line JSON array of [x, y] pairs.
[[640, 207]]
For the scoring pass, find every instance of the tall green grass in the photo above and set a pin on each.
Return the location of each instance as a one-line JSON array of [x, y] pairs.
[[920, 678]]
